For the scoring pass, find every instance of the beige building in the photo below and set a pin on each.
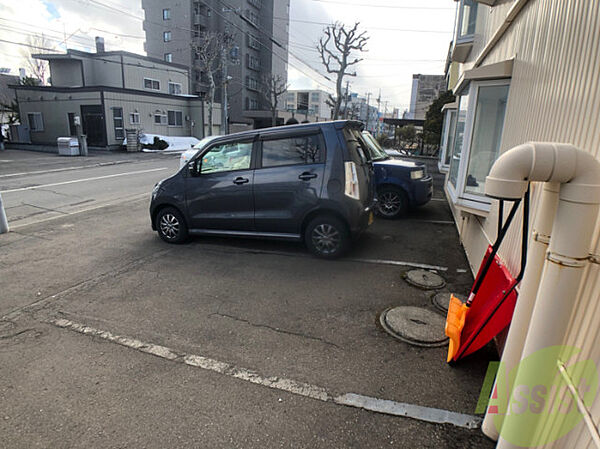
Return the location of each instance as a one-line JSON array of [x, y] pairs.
[[111, 92], [528, 70]]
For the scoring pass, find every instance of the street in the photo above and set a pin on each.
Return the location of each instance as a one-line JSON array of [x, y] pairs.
[[112, 338]]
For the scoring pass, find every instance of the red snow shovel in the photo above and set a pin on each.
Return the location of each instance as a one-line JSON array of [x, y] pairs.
[[489, 308]]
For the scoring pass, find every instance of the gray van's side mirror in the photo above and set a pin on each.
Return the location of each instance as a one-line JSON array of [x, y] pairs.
[[194, 168]]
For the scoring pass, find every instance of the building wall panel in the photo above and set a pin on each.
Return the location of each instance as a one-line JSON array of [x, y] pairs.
[[554, 96]]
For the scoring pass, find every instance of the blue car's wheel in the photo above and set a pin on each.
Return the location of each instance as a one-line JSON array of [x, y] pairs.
[[392, 203]]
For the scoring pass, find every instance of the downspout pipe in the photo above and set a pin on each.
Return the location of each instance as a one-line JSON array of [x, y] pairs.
[[538, 246], [578, 174]]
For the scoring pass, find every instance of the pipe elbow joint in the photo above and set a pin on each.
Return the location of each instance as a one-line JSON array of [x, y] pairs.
[[576, 170], [508, 178]]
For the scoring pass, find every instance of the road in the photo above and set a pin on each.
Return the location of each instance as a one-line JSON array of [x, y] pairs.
[[112, 338], [44, 187]]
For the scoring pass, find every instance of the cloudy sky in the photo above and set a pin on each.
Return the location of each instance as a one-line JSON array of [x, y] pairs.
[[406, 36]]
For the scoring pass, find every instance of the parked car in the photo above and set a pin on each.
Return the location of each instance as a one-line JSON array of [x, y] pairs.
[[189, 154], [310, 182], [400, 184]]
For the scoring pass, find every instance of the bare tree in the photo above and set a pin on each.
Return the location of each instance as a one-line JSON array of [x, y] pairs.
[[37, 67], [274, 86], [211, 49], [336, 48]]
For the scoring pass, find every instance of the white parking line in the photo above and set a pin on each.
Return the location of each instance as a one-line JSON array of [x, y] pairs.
[[83, 180], [420, 413], [400, 263], [54, 170]]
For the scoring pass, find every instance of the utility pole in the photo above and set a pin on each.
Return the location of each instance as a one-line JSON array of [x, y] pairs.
[[224, 106], [368, 98], [377, 128], [346, 100]]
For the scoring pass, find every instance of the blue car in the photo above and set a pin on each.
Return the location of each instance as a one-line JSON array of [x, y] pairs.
[[400, 184]]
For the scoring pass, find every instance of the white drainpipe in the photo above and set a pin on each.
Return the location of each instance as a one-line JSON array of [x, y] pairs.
[[578, 173], [536, 255]]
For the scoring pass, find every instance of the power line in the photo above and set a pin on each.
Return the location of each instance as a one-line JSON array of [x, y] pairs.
[[368, 5], [403, 30]]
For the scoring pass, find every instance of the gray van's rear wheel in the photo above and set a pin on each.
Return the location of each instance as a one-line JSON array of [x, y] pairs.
[[171, 226], [327, 237]]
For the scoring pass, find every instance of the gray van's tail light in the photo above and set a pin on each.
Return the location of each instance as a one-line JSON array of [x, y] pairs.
[[351, 186]]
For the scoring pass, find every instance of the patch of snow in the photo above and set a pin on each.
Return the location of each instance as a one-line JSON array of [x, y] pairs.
[[177, 144]]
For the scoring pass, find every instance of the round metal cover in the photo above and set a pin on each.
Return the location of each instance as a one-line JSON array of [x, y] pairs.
[[415, 325], [424, 279], [441, 300]]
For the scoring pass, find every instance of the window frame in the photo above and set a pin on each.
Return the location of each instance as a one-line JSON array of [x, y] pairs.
[[152, 81], [461, 38], [132, 118], [166, 16], [445, 140], [162, 122], [305, 134], [175, 111], [167, 36], [168, 57], [172, 83], [115, 127], [199, 156], [41, 121], [458, 193]]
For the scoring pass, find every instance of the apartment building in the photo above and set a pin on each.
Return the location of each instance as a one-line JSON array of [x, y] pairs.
[[425, 89], [110, 91], [260, 32], [307, 102], [527, 70]]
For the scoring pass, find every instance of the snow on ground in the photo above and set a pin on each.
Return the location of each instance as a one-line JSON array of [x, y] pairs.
[[176, 143]]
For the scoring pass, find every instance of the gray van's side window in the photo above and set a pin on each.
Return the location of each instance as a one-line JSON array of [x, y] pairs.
[[227, 157], [300, 150]]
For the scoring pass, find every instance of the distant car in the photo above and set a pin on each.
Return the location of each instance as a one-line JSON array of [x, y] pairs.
[[400, 184], [309, 182], [189, 154]]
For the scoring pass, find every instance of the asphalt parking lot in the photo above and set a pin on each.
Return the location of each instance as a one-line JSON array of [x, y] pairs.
[[265, 308]]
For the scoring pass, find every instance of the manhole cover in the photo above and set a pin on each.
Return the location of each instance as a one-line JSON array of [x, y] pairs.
[[441, 300], [424, 279], [415, 325]]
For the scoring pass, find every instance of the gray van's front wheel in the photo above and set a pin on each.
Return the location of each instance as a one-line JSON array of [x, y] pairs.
[[171, 226], [327, 237]]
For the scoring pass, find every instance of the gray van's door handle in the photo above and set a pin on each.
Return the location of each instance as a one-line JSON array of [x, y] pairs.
[[306, 176], [239, 180]]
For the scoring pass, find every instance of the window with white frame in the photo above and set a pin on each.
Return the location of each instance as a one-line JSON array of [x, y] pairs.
[[467, 18], [447, 137], [160, 118], [118, 123], [175, 88], [35, 121], [166, 36], [477, 139], [134, 118], [166, 14], [175, 118], [149, 83]]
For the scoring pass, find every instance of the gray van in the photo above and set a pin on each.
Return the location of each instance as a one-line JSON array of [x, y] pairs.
[[310, 182]]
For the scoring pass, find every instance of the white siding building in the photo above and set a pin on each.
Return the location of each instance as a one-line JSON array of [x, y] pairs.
[[527, 71]]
